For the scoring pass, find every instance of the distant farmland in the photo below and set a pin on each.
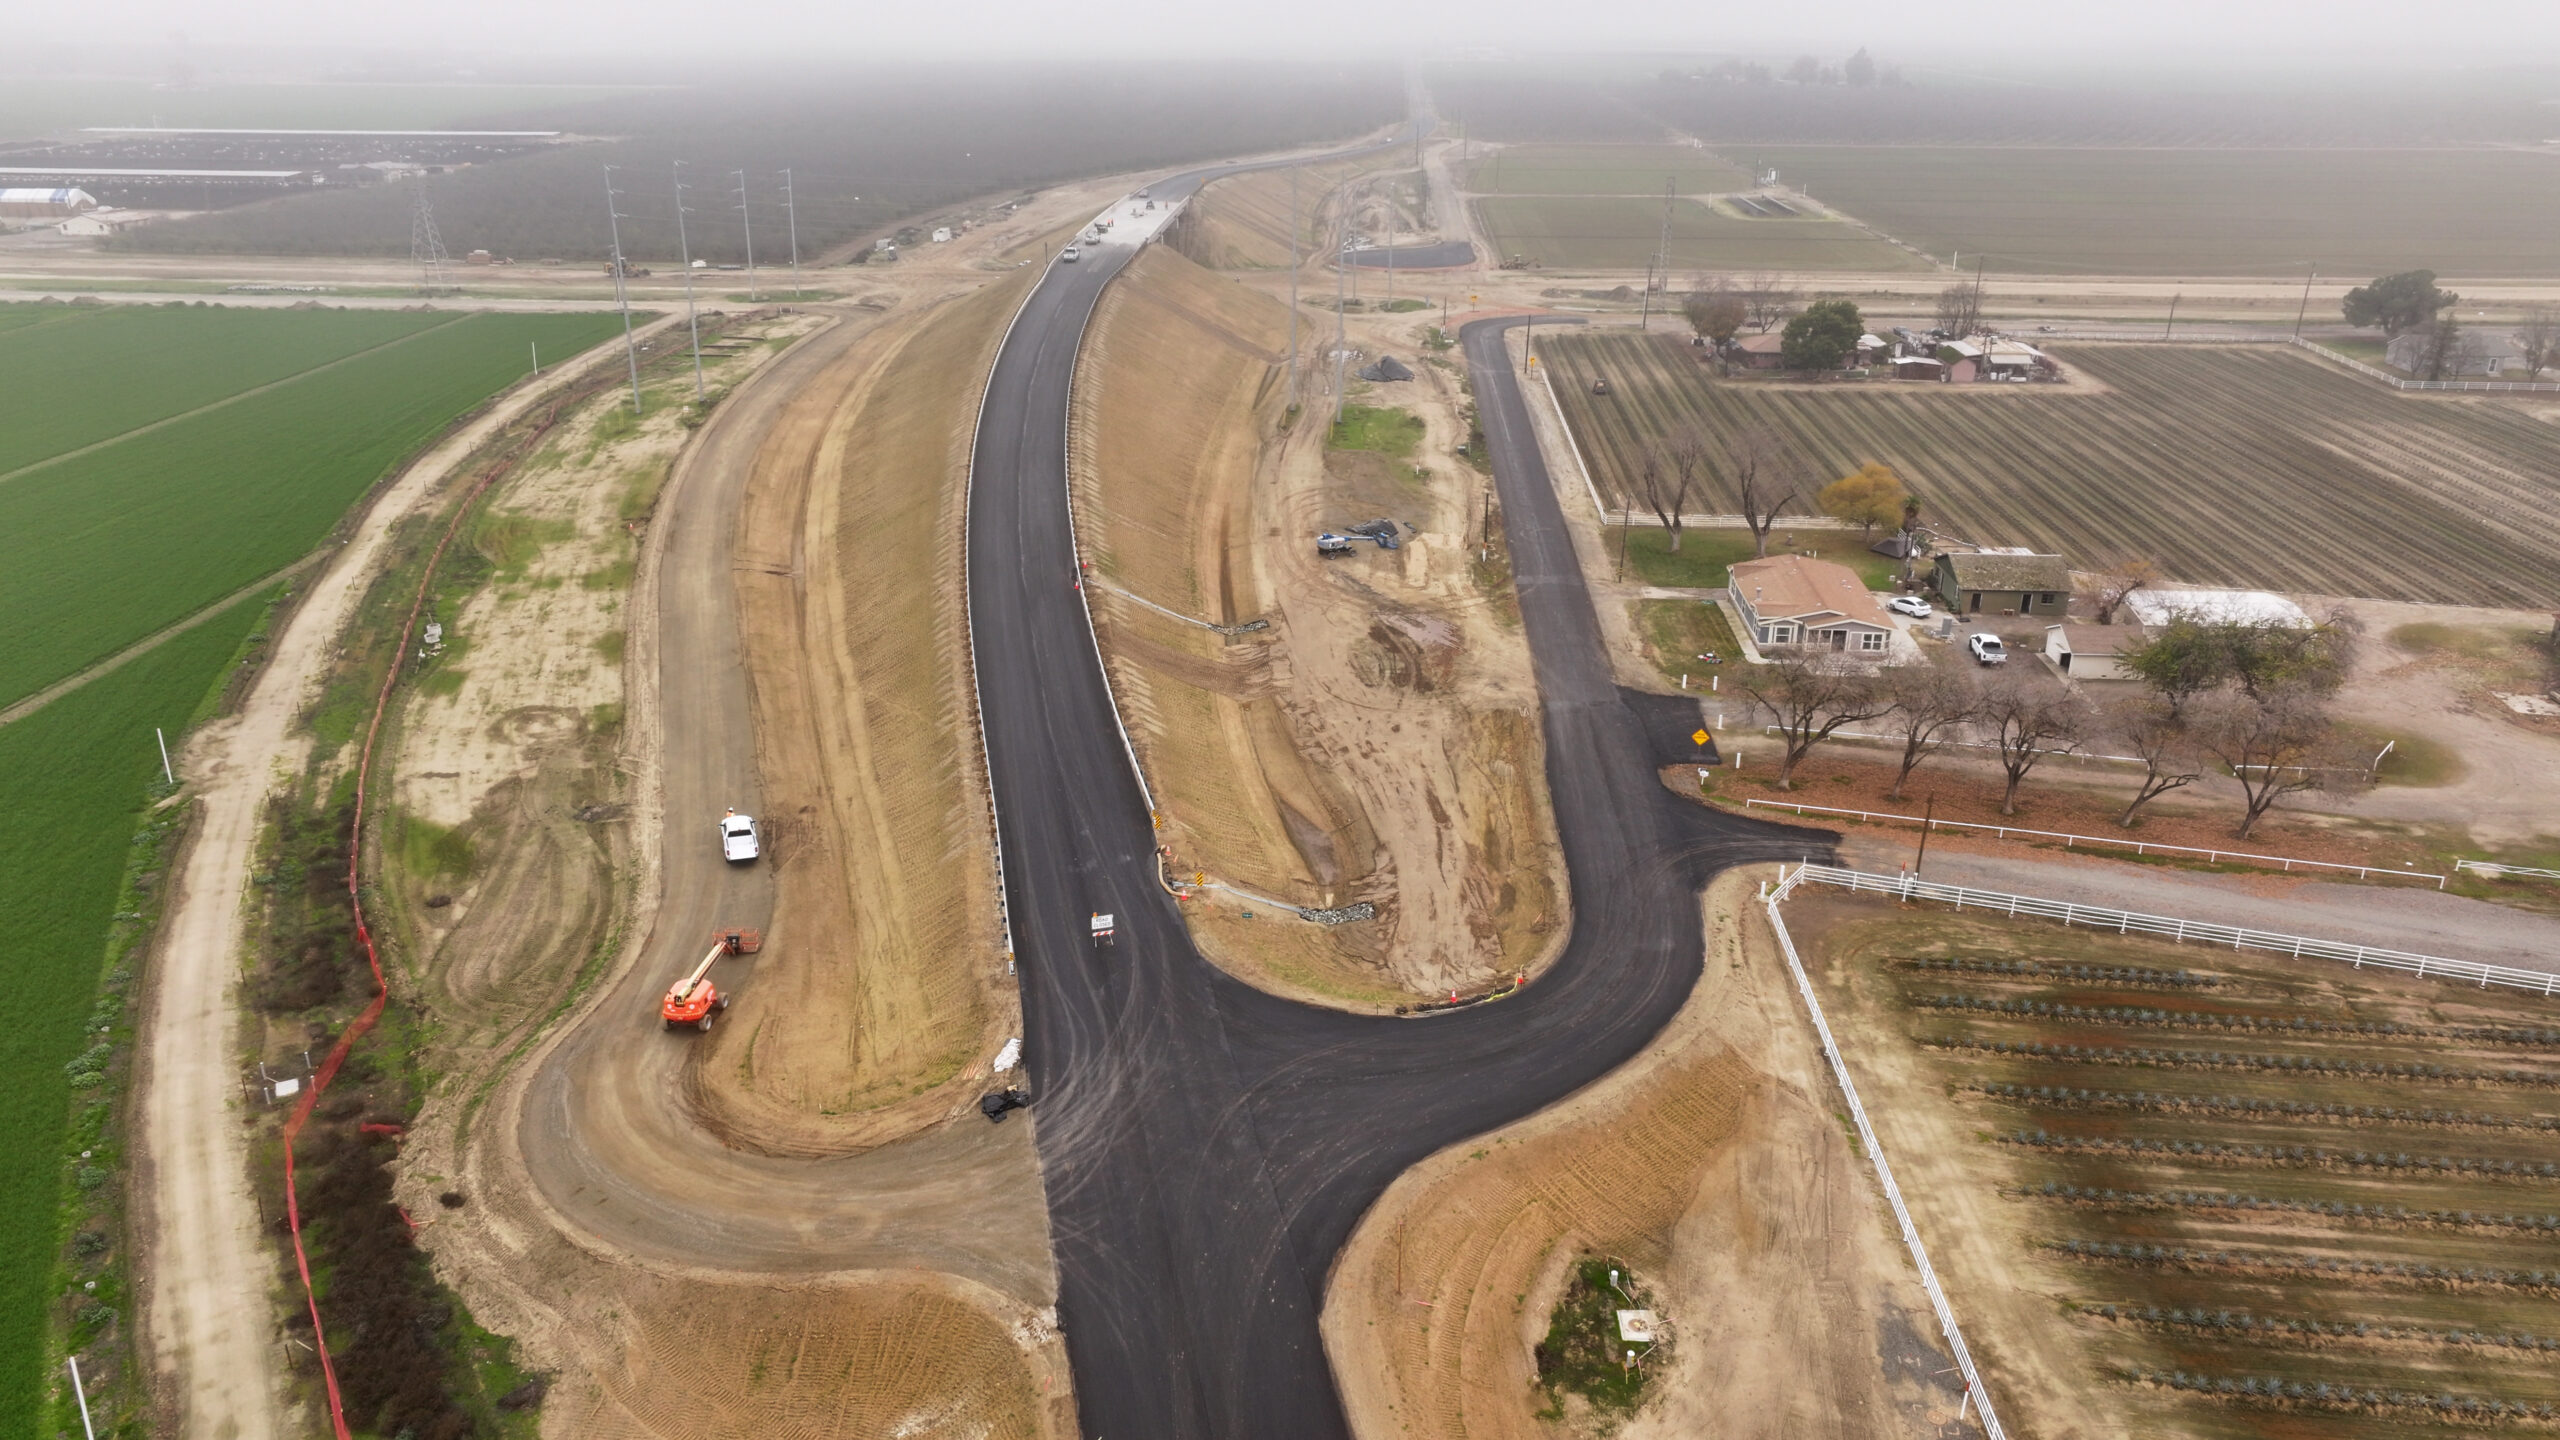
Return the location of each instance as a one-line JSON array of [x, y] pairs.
[[2198, 212], [2242, 466], [144, 473], [1619, 233], [1602, 170]]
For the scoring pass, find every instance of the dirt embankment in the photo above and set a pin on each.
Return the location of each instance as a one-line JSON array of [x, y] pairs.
[[1369, 745], [849, 575], [1244, 222], [1716, 1166]]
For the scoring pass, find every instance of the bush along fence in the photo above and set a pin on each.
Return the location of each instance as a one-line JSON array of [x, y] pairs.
[[1976, 1392], [2128, 922]]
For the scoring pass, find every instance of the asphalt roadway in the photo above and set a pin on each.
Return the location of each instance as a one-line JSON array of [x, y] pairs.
[[1207, 1147]]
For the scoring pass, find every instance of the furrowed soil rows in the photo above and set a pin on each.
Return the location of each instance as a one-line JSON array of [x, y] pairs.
[[1603, 170], [126, 537], [2234, 466], [1620, 233], [2348, 1209]]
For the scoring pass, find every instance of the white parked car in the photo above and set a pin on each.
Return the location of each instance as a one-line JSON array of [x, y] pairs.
[[1987, 649], [1911, 605], [737, 838], [1070, 256]]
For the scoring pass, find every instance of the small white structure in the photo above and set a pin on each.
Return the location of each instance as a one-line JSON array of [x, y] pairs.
[[44, 202], [942, 235], [102, 221], [1636, 1326], [2091, 652], [2246, 607]]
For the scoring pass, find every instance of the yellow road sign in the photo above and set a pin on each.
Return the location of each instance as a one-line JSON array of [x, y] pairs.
[[1700, 737]]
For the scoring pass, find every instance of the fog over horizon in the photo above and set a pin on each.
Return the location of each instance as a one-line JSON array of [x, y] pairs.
[[2191, 36]]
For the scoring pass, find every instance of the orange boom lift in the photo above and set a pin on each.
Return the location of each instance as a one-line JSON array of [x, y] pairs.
[[693, 1000]]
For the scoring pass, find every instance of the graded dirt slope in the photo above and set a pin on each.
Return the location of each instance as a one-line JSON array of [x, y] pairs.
[[1713, 1165]]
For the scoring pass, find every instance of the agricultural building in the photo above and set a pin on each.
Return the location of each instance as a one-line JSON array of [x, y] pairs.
[[1917, 367], [21, 202], [1792, 600], [102, 221], [2091, 652], [2215, 607], [2003, 582], [2014, 359], [1873, 348], [1963, 360], [1761, 352]]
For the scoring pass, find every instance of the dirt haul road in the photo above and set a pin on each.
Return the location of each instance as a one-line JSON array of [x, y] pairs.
[[207, 1268]]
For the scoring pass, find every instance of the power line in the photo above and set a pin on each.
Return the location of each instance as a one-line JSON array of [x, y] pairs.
[[684, 248], [791, 206], [621, 295], [749, 223]]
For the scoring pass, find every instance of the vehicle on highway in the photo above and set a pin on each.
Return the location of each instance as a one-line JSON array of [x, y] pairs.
[[738, 838], [1987, 649], [1070, 257], [1911, 605]]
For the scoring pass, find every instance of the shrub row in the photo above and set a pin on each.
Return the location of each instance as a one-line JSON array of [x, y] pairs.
[[2253, 1106], [2236, 1060], [2316, 1265], [2095, 974], [2292, 1155], [2248, 1324], [2321, 1395], [2333, 1209], [2203, 1020]]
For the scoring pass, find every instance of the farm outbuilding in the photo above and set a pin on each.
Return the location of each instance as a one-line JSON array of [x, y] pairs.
[[101, 221], [2003, 582], [1917, 367], [2091, 652], [27, 202]]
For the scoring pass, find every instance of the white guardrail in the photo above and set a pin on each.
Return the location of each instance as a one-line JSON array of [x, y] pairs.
[[1974, 1388], [2138, 847], [2494, 870], [2129, 922]]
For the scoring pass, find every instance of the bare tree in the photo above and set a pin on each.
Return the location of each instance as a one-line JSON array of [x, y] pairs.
[[2118, 582], [1760, 466], [2029, 720], [1687, 450], [2152, 731], [1808, 696], [2538, 341], [1714, 308], [2278, 742], [1931, 703], [1960, 308], [1768, 301]]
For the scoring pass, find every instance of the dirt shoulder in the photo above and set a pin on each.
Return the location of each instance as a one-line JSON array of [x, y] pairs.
[[1713, 1164]]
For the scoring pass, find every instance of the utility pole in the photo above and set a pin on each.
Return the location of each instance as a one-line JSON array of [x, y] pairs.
[[622, 296], [684, 250], [1340, 340], [2172, 327], [1661, 258], [1293, 287], [748, 222], [791, 207], [2305, 312]]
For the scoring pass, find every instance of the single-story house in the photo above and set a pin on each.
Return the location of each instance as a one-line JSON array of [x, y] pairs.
[[1761, 352], [2003, 582], [1791, 600], [2476, 355], [2091, 652], [102, 222]]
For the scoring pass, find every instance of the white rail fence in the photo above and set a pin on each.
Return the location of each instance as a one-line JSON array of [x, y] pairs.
[[1974, 1388], [2373, 372], [2170, 927], [2138, 847], [2494, 870]]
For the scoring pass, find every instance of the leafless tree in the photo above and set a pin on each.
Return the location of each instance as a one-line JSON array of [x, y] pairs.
[[2538, 341], [2152, 731], [2029, 720], [1808, 696], [2278, 742], [2118, 582], [1931, 704], [2448, 349], [1714, 308], [1761, 468], [1664, 477], [1768, 301], [1960, 308]]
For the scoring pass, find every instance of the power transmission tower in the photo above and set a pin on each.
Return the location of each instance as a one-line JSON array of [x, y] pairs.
[[1661, 259], [791, 207], [747, 221], [621, 295], [426, 248], [684, 249]]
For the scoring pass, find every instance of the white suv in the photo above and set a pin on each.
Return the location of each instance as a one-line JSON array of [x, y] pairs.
[[737, 838]]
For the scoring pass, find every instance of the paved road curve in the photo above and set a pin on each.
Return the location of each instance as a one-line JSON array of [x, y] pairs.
[[1207, 1147]]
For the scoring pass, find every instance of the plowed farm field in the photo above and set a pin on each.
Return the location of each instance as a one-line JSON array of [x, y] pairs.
[[2243, 465], [2213, 1194]]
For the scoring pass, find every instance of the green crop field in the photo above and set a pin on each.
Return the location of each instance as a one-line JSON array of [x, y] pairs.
[[2251, 466], [73, 779], [2207, 1192], [1620, 232], [147, 525], [2477, 212], [1603, 170]]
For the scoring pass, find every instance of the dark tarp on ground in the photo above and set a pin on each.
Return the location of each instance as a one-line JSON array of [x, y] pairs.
[[1387, 368]]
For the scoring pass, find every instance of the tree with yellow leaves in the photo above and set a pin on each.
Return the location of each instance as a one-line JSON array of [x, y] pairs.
[[1872, 496]]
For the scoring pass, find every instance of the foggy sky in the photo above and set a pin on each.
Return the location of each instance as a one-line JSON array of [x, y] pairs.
[[2209, 33]]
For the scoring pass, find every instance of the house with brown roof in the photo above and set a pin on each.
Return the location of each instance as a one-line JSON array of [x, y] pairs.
[[1761, 352], [2003, 582], [1793, 600]]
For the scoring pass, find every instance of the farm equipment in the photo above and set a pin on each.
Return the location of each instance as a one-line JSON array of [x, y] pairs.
[[693, 1000], [1382, 531], [1329, 543]]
